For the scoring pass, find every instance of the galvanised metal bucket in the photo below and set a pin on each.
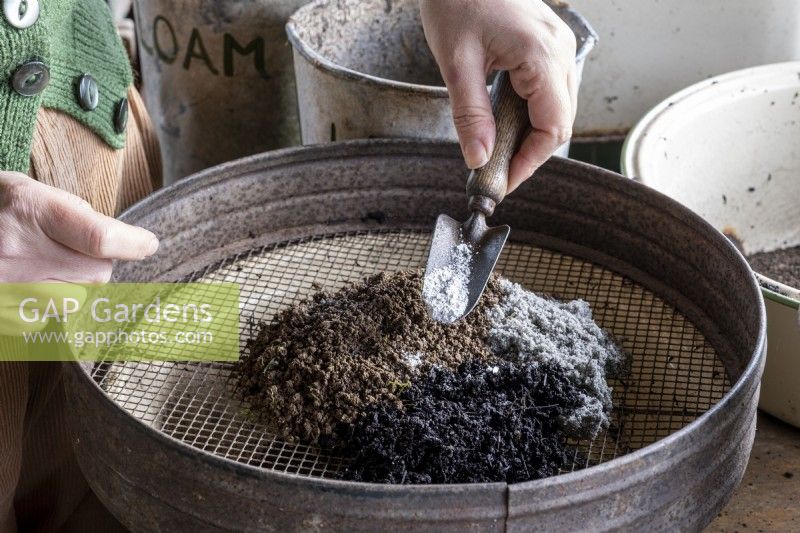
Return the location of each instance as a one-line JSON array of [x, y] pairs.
[[218, 79], [727, 148], [364, 70]]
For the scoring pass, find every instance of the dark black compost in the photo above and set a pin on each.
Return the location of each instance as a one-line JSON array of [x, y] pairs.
[[481, 423]]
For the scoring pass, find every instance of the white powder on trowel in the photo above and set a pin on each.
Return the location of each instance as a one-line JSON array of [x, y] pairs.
[[445, 289], [536, 329]]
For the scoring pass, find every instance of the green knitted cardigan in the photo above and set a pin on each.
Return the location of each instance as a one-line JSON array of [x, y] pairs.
[[72, 37]]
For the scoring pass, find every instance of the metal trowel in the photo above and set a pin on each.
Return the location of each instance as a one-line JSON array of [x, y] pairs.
[[486, 187]]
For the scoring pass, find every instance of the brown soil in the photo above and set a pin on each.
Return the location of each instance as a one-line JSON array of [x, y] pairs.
[[780, 265], [321, 361]]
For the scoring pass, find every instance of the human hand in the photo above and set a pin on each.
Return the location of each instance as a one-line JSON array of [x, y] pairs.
[[470, 39], [47, 234]]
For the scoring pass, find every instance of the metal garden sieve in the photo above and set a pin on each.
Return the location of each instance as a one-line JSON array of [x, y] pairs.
[[168, 446]]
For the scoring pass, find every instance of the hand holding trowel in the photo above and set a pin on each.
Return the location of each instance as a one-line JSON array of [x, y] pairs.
[[463, 256]]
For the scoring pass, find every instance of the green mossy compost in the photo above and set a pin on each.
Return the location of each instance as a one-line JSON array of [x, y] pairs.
[[494, 397]]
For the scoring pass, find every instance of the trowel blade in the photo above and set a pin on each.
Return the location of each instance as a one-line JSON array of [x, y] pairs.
[[485, 243]]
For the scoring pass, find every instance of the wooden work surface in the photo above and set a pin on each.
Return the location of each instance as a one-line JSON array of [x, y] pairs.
[[769, 497]]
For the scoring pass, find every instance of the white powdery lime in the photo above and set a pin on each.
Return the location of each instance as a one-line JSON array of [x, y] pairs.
[[413, 359], [534, 329], [445, 290]]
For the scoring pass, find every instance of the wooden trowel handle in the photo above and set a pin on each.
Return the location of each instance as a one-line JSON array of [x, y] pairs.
[[486, 186]]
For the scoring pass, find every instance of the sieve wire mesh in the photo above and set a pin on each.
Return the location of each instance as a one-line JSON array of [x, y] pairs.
[[675, 377]]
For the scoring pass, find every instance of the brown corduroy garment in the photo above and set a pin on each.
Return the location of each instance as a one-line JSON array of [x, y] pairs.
[[69, 156], [41, 486]]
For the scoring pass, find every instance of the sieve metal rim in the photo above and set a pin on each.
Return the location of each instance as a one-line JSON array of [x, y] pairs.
[[389, 174], [288, 156], [613, 464]]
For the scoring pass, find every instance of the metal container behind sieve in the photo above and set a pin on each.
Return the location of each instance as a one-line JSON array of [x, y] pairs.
[[166, 446], [364, 70]]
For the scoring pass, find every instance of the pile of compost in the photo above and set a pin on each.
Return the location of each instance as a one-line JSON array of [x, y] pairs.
[[480, 423], [495, 396], [322, 360], [780, 265]]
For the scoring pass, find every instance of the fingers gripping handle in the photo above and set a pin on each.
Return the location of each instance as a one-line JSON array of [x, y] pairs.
[[486, 186]]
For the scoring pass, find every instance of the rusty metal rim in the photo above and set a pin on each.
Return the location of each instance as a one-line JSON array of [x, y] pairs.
[[442, 148], [576, 21]]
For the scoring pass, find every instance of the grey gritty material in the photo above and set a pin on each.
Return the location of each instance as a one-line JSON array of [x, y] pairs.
[[153, 482], [364, 70]]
